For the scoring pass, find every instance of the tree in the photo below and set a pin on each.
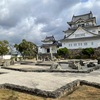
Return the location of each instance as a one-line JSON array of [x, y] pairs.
[[63, 52], [26, 48], [4, 47], [88, 51]]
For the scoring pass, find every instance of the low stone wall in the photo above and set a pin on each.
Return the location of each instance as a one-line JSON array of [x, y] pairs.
[[64, 90], [49, 70], [93, 84], [68, 88], [74, 53]]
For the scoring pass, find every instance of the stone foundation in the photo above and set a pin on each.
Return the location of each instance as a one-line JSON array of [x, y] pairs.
[[64, 90], [76, 53], [61, 71]]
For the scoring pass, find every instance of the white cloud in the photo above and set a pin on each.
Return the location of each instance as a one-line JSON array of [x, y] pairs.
[[34, 19]]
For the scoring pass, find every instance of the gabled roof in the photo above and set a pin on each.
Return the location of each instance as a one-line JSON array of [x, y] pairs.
[[55, 43], [84, 16], [83, 29], [76, 39], [49, 38]]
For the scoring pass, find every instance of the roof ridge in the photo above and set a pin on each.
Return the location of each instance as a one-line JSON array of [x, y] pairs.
[[83, 14]]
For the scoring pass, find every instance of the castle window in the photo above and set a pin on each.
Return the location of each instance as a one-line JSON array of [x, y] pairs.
[[91, 43], [70, 45], [81, 44], [85, 43], [75, 44]]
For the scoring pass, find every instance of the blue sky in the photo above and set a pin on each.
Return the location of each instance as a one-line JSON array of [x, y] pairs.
[[33, 20]]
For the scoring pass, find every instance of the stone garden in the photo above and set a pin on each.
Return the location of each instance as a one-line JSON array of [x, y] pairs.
[[50, 79]]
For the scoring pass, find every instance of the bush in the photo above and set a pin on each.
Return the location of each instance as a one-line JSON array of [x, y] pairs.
[[63, 52], [78, 57], [88, 51]]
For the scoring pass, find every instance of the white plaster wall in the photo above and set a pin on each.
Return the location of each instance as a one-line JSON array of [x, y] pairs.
[[81, 44], [39, 49], [6, 57], [44, 50], [54, 49]]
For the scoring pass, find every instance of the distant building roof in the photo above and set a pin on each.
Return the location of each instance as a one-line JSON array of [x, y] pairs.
[[93, 37], [55, 43], [84, 16], [49, 38]]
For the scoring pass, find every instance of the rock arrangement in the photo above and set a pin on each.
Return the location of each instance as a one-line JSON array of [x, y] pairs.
[[53, 70]]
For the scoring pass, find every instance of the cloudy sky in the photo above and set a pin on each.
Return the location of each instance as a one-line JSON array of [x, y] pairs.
[[34, 19]]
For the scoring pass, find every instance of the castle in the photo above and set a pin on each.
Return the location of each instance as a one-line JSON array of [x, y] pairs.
[[83, 32]]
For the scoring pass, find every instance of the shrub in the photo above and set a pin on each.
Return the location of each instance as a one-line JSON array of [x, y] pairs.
[[88, 51], [63, 52]]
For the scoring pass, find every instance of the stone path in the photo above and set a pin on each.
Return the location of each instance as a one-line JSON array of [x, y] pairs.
[[46, 81]]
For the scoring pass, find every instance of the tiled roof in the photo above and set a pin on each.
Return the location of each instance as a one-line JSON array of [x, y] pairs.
[[56, 43], [84, 16], [49, 38], [93, 37]]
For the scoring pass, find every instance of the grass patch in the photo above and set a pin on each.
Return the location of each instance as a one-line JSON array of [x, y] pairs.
[[82, 93]]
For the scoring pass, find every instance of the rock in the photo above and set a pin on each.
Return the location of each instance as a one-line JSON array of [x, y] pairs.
[[91, 64], [81, 63], [55, 65], [73, 65], [12, 62], [98, 60]]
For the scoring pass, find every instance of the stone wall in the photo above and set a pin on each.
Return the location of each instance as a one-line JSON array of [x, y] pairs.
[[76, 53], [45, 56], [64, 90], [51, 71]]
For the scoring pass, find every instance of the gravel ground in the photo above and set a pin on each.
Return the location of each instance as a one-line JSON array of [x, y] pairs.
[[45, 81]]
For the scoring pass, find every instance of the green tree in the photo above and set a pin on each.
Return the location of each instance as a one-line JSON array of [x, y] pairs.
[[4, 47], [88, 51], [63, 52], [26, 48]]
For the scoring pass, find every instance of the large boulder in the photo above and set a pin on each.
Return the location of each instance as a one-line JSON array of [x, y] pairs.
[[91, 64]]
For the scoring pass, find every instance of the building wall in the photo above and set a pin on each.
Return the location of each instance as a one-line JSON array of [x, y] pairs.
[[53, 49], [6, 57], [94, 43]]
